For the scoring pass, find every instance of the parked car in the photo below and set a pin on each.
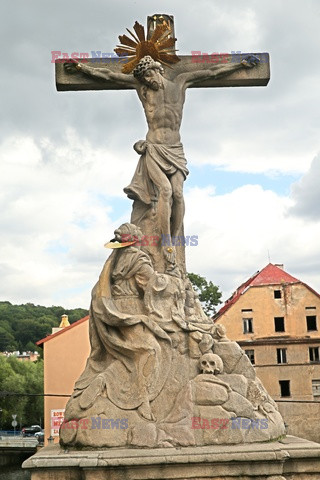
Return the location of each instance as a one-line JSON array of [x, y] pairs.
[[31, 431], [40, 436]]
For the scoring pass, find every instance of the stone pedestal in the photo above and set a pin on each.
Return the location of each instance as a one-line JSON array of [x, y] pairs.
[[290, 459]]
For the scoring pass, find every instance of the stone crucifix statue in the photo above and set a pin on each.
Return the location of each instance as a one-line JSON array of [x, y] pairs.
[[157, 184], [148, 333]]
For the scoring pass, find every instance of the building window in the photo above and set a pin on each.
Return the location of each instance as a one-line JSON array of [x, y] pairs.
[[310, 308], [314, 354], [285, 388], [316, 388], [311, 323], [279, 324], [250, 355], [281, 355], [277, 293], [247, 325]]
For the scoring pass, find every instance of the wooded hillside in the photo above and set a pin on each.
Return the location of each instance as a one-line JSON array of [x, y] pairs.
[[21, 326]]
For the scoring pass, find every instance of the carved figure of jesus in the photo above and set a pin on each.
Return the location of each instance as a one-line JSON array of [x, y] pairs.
[[161, 171]]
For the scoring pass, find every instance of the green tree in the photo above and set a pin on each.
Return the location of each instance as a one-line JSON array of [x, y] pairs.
[[23, 325], [7, 341], [26, 379], [209, 294], [32, 347], [33, 413]]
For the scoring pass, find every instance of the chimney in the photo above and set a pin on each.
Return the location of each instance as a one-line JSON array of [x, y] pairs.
[[63, 324], [64, 321], [279, 265]]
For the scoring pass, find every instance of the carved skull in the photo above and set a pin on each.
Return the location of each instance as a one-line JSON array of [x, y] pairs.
[[211, 363]]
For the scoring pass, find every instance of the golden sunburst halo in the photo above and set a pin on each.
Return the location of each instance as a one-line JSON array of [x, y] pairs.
[[159, 47]]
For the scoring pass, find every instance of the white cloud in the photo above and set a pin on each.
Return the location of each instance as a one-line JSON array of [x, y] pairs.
[[239, 230], [306, 193], [55, 217], [65, 157]]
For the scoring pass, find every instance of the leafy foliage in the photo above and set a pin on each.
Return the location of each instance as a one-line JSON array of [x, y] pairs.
[[21, 326], [209, 294], [24, 378]]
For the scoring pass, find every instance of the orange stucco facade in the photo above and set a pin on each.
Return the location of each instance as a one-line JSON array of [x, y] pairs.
[[296, 302], [258, 303], [65, 354]]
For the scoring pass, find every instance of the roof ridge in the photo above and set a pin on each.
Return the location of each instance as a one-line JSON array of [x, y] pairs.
[[74, 324], [271, 274]]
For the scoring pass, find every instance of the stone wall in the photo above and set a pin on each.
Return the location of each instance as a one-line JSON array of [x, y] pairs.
[[303, 419], [290, 459]]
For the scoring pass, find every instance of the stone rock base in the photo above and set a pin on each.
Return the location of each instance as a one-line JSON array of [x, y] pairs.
[[290, 459]]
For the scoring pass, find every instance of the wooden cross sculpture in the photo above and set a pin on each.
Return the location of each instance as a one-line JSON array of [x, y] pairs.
[[160, 78]]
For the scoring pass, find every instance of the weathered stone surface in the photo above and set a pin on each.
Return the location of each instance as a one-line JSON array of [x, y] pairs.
[[152, 368], [294, 415], [292, 459], [245, 78], [157, 361], [237, 382], [234, 359], [239, 405]]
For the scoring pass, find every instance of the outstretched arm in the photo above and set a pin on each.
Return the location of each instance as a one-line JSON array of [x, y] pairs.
[[217, 71], [102, 73]]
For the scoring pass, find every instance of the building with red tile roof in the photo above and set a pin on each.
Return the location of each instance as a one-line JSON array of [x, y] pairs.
[[275, 318]]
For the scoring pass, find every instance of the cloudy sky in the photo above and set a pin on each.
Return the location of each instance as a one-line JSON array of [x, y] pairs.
[[253, 153]]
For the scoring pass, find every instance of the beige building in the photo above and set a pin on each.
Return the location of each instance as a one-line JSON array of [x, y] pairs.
[[275, 319], [65, 353]]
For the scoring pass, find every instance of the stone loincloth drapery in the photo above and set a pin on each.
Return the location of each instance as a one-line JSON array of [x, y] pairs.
[[170, 159]]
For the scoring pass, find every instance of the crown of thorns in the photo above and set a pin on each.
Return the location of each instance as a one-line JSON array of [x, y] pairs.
[[144, 65]]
